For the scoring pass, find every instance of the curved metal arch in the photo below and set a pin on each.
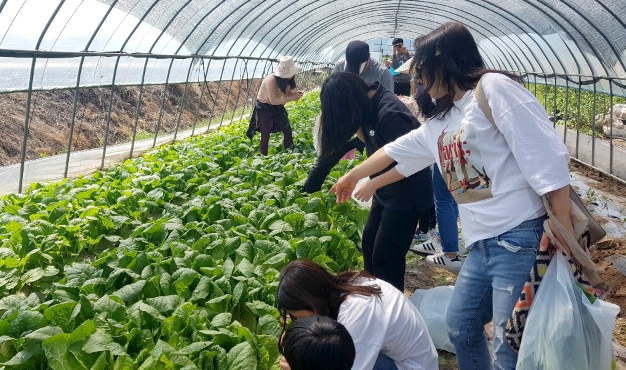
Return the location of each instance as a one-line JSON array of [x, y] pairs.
[[529, 2], [592, 24], [547, 58], [534, 30], [342, 15], [480, 26], [219, 24], [182, 43], [278, 21], [350, 35], [326, 21], [506, 25], [284, 35]]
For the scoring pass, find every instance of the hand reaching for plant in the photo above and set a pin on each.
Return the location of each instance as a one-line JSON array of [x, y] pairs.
[[365, 192], [344, 188]]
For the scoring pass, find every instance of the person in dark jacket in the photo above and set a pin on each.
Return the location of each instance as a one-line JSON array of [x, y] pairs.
[[376, 116]]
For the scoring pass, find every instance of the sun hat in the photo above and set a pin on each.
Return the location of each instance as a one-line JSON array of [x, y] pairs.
[[287, 68], [357, 52], [405, 67]]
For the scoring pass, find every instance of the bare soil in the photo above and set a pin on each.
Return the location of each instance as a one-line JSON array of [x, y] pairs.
[[51, 114]]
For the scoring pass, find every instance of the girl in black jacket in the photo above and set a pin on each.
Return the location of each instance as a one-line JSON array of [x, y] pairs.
[[377, 117]]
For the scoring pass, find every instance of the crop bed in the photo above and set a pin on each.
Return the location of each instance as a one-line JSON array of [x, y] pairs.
[[170, 261]]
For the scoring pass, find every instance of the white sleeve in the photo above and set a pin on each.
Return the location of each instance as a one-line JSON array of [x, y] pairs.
[[411, 152], [358, 318], [538, 150]]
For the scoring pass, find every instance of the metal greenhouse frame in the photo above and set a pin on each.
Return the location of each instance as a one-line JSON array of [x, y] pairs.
[[561, 46]]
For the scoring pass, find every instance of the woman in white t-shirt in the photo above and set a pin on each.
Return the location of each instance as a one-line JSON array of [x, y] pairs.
[[499, 173], [386, 328]]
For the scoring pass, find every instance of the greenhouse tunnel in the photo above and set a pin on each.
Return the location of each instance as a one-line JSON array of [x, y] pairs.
[[71, 45], [141, 229]]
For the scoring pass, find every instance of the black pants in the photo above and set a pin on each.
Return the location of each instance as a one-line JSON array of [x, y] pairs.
[[402, 88], [428, 220], [386, 240]]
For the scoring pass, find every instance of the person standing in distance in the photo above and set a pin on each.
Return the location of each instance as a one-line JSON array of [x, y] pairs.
[[401, 81]]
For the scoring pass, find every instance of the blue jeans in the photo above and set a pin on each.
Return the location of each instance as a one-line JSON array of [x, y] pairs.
[[447, 214], [487, 287], [384, 362]]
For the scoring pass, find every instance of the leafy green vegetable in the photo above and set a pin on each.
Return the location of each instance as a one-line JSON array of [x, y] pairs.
[[169, 261]]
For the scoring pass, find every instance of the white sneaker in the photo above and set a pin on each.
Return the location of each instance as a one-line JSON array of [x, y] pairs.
[[441, 260], [431, 246], [420, 237]]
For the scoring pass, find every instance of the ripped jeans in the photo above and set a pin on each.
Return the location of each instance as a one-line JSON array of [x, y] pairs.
[[487, 288]]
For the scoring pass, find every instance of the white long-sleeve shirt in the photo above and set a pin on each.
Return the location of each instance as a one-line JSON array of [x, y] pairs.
[[505, 169], [389, 324]]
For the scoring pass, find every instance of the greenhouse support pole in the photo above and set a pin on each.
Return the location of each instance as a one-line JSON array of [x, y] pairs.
[[30, 93], [578, 116], [230, 86], [535, 77], [158, 126], [611, 126], [73, 121], [251, 85], [182, 103], [108, 124], [245, 71], [26, 121], [77, 88], [593, 126], [204, 83], [545, 92], [138, 110], [554, 112], [217, 93], [566, 110]]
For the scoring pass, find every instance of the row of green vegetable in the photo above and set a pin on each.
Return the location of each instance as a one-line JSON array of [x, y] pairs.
[[170, 261]]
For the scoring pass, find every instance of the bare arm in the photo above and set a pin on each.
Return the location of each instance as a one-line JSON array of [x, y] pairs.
[[346, 183], [367, 190], [561, 207]]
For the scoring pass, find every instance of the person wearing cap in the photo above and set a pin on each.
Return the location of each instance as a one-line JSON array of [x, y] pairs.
[[401, 81], [269, 114], [358, 62]]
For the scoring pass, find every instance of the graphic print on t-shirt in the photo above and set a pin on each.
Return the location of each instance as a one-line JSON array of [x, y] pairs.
[[462, 166]]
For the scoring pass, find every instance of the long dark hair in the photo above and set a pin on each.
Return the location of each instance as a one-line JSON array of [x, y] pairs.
[[283, 83], [449, 55], [345, 107], [318, 342], [305, 285]]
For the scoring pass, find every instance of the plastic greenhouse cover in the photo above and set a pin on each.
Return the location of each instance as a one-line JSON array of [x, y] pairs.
[[567, 37]]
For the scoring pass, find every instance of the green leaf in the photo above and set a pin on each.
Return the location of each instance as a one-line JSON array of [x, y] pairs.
[[242, 357], [166, 304], [222, 319], [102, 341], [33, 275], [61, 315], [129, 293]]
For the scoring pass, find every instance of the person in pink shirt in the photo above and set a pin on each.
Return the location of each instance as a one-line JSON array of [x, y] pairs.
[[269, 114]]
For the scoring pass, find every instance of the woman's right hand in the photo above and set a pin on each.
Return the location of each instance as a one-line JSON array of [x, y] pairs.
[[298, 94], [344, 187]]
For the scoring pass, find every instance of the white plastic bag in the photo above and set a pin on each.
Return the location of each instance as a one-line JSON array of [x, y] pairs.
[[432, 304], [367, 204], [563, 329]]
